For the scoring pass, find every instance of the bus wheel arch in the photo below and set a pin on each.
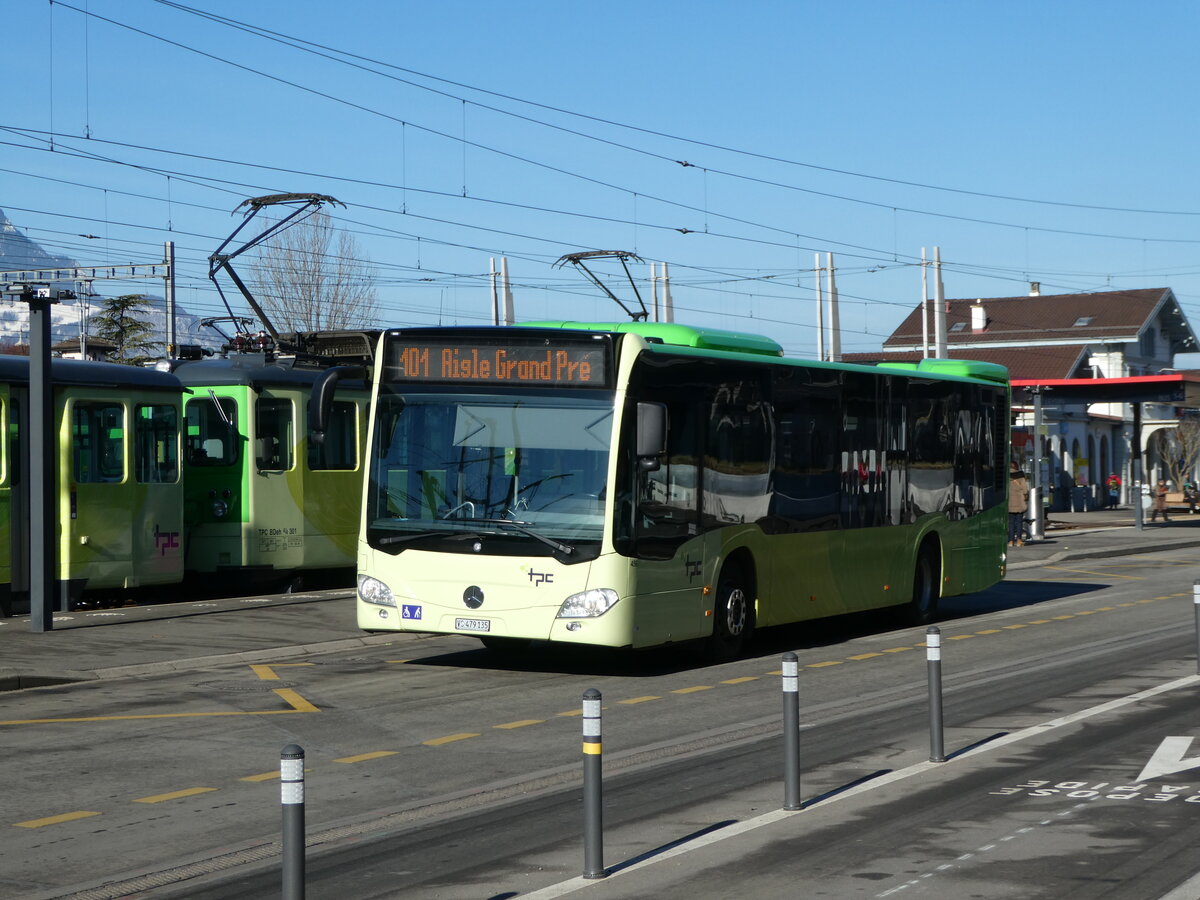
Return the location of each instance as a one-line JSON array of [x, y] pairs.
[[927, 581], [734, 614]]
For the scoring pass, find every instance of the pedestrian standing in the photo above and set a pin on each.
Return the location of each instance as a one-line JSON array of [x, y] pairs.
[[1113, 483], [1160, 501], [1018, 504]]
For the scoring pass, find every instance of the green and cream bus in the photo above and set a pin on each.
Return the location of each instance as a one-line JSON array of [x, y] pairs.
[[638, 484]]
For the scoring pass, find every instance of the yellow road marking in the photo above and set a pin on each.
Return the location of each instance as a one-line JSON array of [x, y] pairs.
[[1164, 598], [363, 757], [298, 703], [832, 662], [897, 649], [267, 673], [1097, 574], [775, 672], [989, 631], [632, 700], [449, 739], [1147, 600], [960, 637], [1060, 618], [398, 661], [859, 656], [1086, 612], [520, 724], [741, 680], [56, 820], [1041, 622], [692, 690], [174, 795], [571, 712], [265, 776], [1127, 604], [1016, 626], [1105, 608]]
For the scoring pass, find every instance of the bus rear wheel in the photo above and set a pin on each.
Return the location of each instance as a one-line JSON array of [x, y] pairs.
[[733, 614], [922, 608]]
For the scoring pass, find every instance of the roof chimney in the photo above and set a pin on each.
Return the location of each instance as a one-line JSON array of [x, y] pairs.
[[1035, 289], [979, 318]]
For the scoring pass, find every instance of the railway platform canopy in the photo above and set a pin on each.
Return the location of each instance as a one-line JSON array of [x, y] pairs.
[[1180, 389]]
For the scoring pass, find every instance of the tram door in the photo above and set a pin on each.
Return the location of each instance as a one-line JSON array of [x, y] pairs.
[[16, 487]]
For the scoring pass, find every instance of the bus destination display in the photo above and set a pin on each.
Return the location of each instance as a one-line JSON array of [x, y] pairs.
[[565, 365]]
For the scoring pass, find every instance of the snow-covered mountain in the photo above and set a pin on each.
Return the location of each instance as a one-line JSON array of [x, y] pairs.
[[17, 251]]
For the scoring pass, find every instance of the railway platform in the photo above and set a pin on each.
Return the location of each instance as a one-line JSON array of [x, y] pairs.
[[142, 640]]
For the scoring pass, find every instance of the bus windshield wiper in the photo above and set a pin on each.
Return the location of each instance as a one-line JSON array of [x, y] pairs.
[[401, 538], [524, 528]]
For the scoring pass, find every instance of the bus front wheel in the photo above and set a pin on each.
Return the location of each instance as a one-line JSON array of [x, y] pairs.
[[733, 613], [923, 607]]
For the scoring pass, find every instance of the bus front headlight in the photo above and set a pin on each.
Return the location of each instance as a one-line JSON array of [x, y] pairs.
[[372, 590], [588, 604]]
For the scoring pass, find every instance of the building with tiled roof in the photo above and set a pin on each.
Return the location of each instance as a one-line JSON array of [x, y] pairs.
[[1110, 334]]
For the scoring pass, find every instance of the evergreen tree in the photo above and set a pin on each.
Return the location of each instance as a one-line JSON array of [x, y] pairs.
[[118, 322]]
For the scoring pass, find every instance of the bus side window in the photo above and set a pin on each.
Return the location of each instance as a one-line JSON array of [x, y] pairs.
[[668, 497]]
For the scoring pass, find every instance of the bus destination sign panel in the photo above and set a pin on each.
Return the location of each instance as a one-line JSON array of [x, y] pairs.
[[471, 362]]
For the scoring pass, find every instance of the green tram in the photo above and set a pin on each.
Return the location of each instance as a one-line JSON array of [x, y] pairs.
[[119, 490], [638, 484], [262, 502]]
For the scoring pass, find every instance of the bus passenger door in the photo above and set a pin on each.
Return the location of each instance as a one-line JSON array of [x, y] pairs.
[[670, 569]]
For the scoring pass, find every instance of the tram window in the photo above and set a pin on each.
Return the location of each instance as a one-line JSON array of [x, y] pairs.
[[273, 428], [339, 450], [98, 442], [156, 443], [212, 438]]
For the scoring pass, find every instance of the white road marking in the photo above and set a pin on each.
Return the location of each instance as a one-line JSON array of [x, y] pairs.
[[577, 884]]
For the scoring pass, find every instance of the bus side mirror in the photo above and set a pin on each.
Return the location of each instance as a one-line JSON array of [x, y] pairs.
[[321, 399], [651, 435]]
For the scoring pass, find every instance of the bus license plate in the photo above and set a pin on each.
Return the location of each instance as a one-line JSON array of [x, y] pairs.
[[473, 624]]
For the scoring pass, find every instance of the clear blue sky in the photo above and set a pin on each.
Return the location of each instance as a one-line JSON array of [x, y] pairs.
[[1073, 105]]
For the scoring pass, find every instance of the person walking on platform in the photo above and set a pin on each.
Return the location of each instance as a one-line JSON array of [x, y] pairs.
[[1160, 501], [1018, 504]]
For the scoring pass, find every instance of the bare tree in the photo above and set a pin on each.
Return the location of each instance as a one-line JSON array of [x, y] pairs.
[[313, 277], [1179, 449]]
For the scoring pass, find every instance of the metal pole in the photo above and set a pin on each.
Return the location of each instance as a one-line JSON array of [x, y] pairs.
[[819, 271], [1037, 529], [924, 306], [791, 731], [169, 281], [835, 322], [933, 654], [44, 593], [939, 310], [291, 777], [1139, 513], [1196, 606], [593, 788]]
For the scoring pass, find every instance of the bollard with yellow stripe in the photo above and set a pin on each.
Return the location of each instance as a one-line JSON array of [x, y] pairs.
[[593, 806]]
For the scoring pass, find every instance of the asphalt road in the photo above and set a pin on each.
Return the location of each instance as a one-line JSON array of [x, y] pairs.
[[437, 771]]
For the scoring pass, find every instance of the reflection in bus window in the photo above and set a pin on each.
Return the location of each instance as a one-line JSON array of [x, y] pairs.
[[156, 441], [98, 443]]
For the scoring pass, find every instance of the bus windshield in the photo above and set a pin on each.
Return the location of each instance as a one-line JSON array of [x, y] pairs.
[[447, 465]]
